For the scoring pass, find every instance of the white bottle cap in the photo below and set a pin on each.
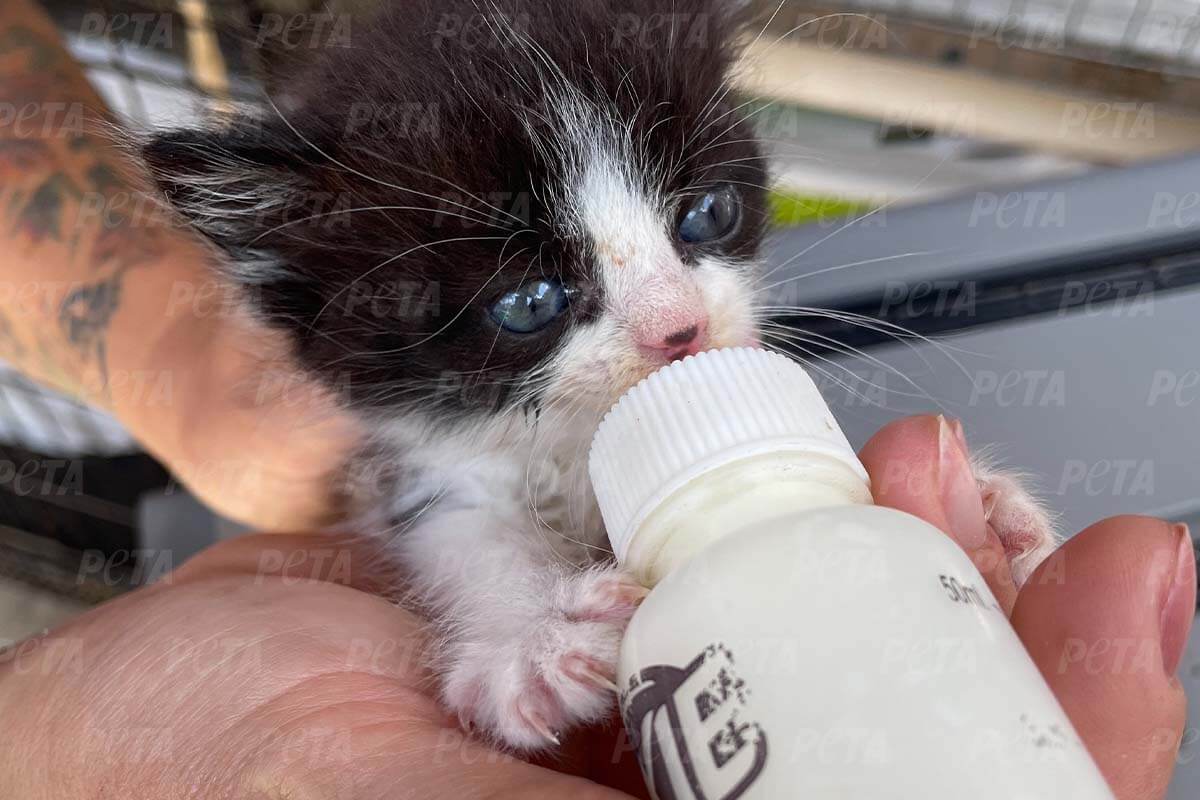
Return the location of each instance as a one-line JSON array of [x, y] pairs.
[[698, 414]]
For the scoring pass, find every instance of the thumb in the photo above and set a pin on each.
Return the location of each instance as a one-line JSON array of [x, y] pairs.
[[921, 465]]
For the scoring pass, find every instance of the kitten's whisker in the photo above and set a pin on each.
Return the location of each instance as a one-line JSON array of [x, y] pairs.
[[540, 523], [311, 217], [810, 337], [854, 221], [809, 365], [833, 15], [838, 267], [897, 332], [727, 84], [719, 139], [712, 122]]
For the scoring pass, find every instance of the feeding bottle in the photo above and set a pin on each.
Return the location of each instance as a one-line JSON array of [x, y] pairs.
[[798, 641]]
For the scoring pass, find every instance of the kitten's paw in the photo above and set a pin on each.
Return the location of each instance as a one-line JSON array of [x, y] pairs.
[[1018, 518], [527, 679]]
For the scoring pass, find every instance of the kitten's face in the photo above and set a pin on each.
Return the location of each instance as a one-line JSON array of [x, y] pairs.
[[540, 214]]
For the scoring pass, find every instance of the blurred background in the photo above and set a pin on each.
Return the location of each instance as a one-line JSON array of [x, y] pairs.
[[988, 208]]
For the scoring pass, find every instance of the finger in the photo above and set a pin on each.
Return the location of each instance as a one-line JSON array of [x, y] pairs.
[[430, 759], [920, 465], [1106, 619], [248, 433], [297, 558]]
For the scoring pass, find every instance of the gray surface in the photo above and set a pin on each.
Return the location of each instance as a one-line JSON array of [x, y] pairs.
[[1079, 399], [990, 233]]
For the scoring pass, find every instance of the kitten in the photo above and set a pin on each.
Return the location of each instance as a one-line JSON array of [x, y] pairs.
[[481, 224]]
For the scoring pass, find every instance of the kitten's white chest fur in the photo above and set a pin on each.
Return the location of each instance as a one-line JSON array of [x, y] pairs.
[[521, 465]]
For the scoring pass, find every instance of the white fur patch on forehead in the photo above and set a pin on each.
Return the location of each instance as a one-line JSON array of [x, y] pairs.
[[611, 206], [625, 225]]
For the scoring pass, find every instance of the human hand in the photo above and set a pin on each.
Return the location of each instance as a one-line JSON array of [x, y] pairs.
[[262, 669]]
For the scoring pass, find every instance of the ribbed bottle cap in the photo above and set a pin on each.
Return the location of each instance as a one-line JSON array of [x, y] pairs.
[[698, 414]]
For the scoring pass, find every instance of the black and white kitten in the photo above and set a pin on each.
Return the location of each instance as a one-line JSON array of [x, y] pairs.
[[481, 221]]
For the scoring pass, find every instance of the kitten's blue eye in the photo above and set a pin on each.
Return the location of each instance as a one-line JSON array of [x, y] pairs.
[[713, 216], [532, 307]]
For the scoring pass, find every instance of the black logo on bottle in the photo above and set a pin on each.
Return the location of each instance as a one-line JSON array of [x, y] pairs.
[[690, 729]]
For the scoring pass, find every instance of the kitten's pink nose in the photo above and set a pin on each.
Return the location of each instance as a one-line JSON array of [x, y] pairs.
[[680, 344]]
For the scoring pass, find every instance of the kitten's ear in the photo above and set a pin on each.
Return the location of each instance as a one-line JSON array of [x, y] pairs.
[[228, 184]]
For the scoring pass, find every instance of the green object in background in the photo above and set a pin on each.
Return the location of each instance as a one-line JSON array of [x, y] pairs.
[[789, 209]]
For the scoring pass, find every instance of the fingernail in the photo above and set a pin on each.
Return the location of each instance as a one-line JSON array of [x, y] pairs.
[[956, 428], [961, 502], [1180, 605]]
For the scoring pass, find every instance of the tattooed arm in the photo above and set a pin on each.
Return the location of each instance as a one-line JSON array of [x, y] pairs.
[[103, 297]]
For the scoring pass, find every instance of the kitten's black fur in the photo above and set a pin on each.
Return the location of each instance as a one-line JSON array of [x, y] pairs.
[[425, 108]]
